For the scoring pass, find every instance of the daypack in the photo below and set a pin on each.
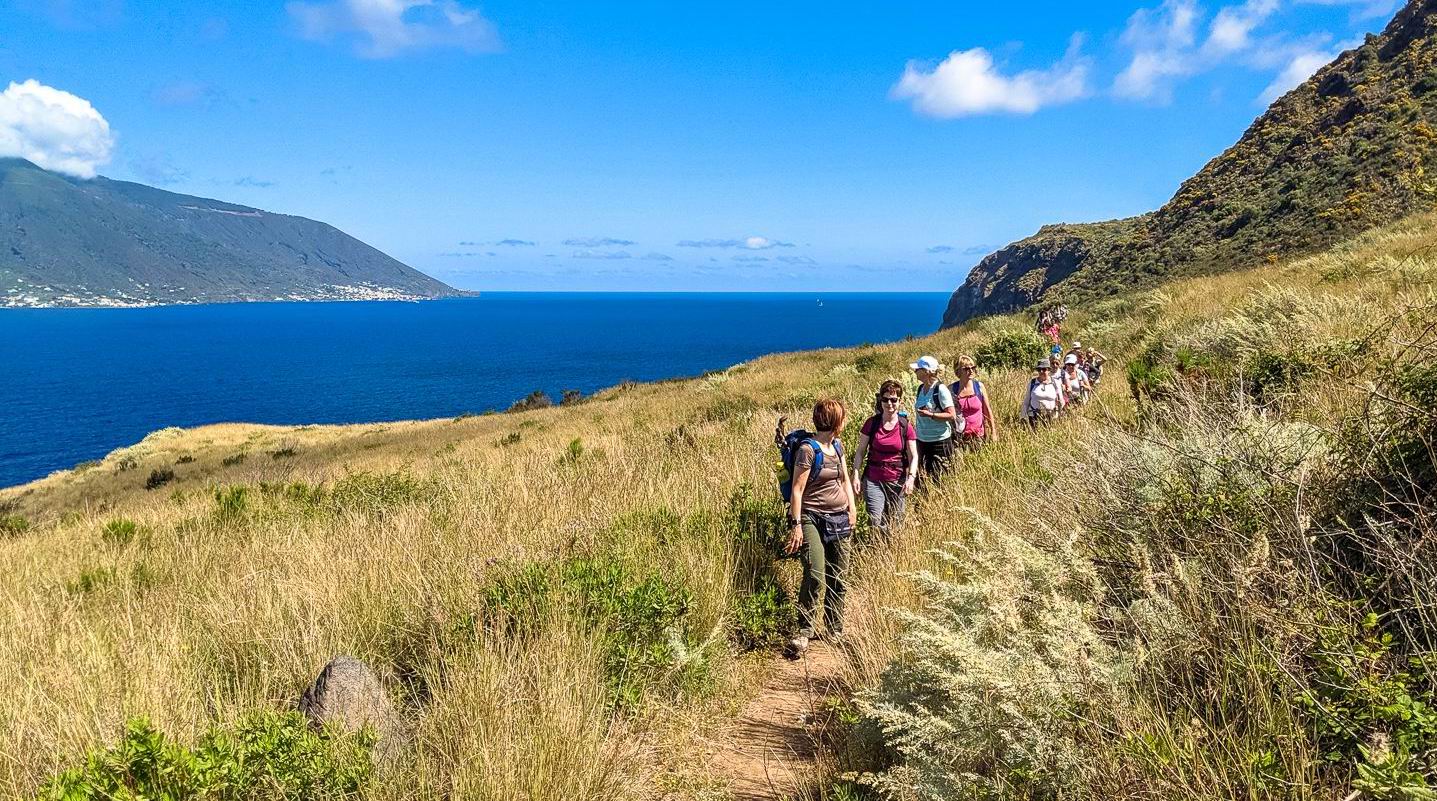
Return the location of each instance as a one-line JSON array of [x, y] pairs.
[[977, 389], [904, 433], [788, 451]]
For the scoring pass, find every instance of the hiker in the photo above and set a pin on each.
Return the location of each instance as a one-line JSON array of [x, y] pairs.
[[1074, 381], [1045, 396], [1093, 365], [975, 417], [821, 518], [890, 444], [935, 419]]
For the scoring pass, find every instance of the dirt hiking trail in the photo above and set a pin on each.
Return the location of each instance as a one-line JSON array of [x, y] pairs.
[[771, 751]]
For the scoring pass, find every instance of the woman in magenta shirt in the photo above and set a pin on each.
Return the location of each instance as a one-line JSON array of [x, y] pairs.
[[887, 460]]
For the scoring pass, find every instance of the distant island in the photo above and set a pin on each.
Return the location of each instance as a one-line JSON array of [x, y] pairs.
[[70, 242]]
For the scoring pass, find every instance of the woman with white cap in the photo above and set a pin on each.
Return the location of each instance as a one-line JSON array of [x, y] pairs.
[[1045, 395], [1075, 382], [935, 418]]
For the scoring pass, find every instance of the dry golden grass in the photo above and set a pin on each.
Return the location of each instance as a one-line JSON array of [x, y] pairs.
[[207, 613]]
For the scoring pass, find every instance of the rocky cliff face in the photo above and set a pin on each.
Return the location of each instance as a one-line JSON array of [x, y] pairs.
[[1353, 147]]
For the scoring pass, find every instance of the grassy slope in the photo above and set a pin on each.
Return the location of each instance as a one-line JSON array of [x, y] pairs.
[[207, 612]]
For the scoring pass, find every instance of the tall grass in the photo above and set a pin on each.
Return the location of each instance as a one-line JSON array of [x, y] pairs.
[[1121, 602]]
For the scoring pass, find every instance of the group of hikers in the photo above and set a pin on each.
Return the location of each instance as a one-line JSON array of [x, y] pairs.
[[894, 457]]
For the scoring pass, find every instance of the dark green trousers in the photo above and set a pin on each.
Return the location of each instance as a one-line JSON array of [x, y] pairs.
[[824, 567]]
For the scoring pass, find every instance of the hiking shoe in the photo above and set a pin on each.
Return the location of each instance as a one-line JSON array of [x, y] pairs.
[[797, 646]]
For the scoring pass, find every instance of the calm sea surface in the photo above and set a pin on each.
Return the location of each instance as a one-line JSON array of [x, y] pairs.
[[78, 383]]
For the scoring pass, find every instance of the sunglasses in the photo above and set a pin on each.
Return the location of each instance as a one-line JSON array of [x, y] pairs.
[[890, 400]]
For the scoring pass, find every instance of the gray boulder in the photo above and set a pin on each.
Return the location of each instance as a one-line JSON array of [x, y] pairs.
[[348, 694]]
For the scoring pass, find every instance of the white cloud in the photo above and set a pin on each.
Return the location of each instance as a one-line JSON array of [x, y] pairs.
[[1231, 30], [1301, 67], [386, 28], [1162, 41], [968, 83], [54, 129]]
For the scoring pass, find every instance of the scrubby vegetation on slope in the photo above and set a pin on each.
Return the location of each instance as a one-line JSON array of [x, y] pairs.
[[1211, 584], [1351, 148]]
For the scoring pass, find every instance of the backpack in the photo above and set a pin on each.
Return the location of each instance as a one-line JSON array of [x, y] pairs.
[[788, 450], [977, 390], [904, 432]]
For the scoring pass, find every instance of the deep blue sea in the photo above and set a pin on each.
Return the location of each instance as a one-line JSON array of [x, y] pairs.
[[78, 383]]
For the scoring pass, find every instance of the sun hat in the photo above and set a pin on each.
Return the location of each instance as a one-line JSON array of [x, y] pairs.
[[1043, 364], [925, 363], [1077, 345], [1072, 359]]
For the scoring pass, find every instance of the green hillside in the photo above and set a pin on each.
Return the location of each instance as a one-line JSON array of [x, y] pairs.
[[1353, 147], [66, 241]]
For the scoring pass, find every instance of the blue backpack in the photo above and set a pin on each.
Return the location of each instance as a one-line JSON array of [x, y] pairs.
[[788, 450]]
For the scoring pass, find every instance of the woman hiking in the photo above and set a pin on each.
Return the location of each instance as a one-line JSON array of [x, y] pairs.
[[1075, 382], [1045, 396], [975, 417], [936, 417], [890, 444], [822, 515]]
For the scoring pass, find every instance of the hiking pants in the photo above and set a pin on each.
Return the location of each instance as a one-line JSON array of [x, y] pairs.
[[934, 458], [823, 564], [884, 501]]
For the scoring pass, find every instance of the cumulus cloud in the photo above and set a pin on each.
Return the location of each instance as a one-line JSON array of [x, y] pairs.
[[54, 129], [599, 242], [747, 243], [388, 28], [1299, 68], [1173, 41], [968, 83]]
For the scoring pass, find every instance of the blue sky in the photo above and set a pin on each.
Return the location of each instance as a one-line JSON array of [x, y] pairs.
[[659, 145]]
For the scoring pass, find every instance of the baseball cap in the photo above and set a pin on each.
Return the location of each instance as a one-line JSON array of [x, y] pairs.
[[925, 363], [1072, 359]]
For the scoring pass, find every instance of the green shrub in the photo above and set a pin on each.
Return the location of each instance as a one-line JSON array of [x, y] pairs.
[[537, 399], [185, 458], [284, 452], [119, 531], [13, 525], [869, 362], [234, 459], [159, 478], [512, 438], [126, 464], [642, 619], [570, 397], [1011, 350], [575, 451], [231, 502], [267, 756], [378, 492], [91, 579], [762, 618]]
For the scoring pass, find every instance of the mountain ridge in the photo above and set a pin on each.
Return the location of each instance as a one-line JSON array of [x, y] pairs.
[[1347, 150], [100, 242]]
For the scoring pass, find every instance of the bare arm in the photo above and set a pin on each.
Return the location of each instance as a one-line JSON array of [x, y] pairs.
[[849, 491], [858, 454], [990, 426], [795, 505]]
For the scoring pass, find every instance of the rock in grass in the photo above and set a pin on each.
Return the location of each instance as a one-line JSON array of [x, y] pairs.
[[348, 694]]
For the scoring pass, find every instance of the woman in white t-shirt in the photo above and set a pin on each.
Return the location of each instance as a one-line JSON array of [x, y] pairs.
[[1045, 396]]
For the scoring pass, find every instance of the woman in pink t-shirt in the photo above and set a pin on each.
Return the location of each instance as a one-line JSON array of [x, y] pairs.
[[887, 460], [975, 417]]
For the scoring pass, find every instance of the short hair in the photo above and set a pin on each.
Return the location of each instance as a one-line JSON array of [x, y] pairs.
[[966, 361], [828, 415], [890, 386]]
